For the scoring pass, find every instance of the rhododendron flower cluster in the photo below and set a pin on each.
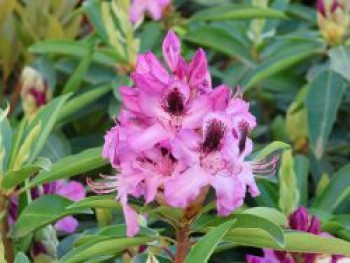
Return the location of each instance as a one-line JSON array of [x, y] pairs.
[[177, 136], [155, 8], [302, 221]]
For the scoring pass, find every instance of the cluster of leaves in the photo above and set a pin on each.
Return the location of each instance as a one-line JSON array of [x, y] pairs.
[[297, 84]]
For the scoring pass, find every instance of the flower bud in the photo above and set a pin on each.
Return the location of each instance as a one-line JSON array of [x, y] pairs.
[[35, 92], [333, 19]]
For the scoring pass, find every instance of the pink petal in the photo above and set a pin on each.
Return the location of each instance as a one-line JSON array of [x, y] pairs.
[[197, 109], [68, 224], [153, 182], [137, 10], [239, 111], [73, 190], [181, 70], [198, 68], [147, 138], [147, 83], [155, 10], [171, 50], [156, 68], [185, 147], [248, 177], [131, 219], [130, 98], [184, 188], [220, 97], [230, 193]]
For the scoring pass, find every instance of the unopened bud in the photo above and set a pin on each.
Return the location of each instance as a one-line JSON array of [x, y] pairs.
[[35, 92], [333, 19]]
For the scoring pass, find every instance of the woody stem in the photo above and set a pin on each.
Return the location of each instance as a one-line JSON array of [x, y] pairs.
[[183, 243]]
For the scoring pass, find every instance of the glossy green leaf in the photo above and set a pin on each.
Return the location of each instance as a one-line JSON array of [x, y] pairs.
[[220, 40], [301, 168], [202, 251], [248, 221], [322, 102], [289, 193], [103, 246], [340, 61], [46, 117], [83, 100], [72, 165], [336, 191], [76, 49], [236, 11], [100, 201], [77, 77], [93, 11], [277, 64], [294, 241], [41, 212], [14, 178]]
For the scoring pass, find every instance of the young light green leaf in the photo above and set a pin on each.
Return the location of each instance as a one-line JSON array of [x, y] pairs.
[[202, 251], [336, 191], [103, 246], [41, 212], [5, 140], [72, 165], [289, 193], [236, 11], [322, 102], [270, 149], [93, 10], [46, 117], [340, 61]]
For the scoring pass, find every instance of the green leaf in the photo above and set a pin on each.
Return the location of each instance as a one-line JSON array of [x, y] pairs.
[[83, 100], [100, 201], [276, 64], [301, 168], [14, 178], [294, 241], [220, 40], [46, 117], [72, 48], [289, 193], [336, 191], [270, 149], [322, 102], [21, 258], [77, 77], [114, 231], [5, 140], [103, 246], [41, 212], [268, 213], [93, 11], [340, 61], [202, 251], [236, 11], [248, 221], [72, 165]]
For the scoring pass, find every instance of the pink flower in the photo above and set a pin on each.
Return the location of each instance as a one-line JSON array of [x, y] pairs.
[[176, 137], [154, 8], [299, 220], [72, 190]]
